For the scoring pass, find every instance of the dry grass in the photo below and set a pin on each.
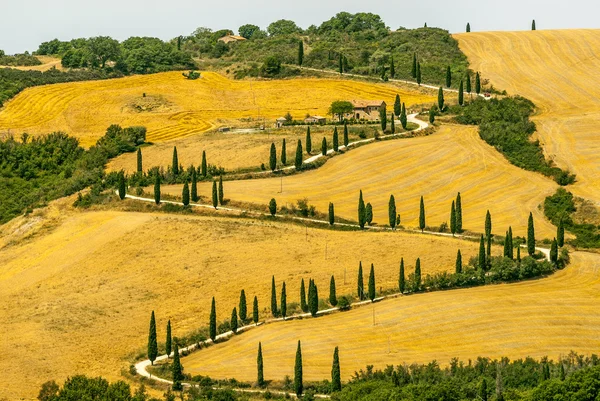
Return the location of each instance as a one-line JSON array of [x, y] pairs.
[[76, 296], [560, 72], [48, 62], [86, 109], [437, 166], [547, 317]]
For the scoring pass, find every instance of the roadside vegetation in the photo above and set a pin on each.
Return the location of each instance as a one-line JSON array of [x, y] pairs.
[[19, 60]]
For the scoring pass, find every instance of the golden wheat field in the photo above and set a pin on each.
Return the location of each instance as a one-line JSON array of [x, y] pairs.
[[547, 317], [77, 288], [175, 107], [560, 72], [409, 168]]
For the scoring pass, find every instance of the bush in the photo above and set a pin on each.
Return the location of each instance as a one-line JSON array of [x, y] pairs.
[[344, 303]]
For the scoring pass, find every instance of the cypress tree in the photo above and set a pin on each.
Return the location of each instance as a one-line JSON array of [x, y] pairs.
[[215, 196], [519, 253], [554, 252], [533, 25], [383, 118], [453, 219], [177, 370], [194, 186], [361, 285], [324, 147], [204, 165], [272, 206], [273, 298], [397, 106], [510, 243], [458, 214], [221, 192], [341, 65], [419, 80], [298, 161], [361, 211], [392, 212], [369, 214], [139, 160], [506, 246], [303, 304], [243, 308], [488, 233], [185, 194], [530, 236], [331, 214], [422, 215], [169, 340], [283, 311], [425, 26], [481, 260], [308, 141], [403, 118], [458, 266], [477, 83], [234, 321], [372, 283], [175, 166], [441, 99], [483, 393], [413, 72], [152, 343], [259, 365], [461, 94], [562, 371], [431, 116], [332, 295], [273, 158], [283, 153], [300, 52], [392, 69], [255, 310], [122, 190], [401, 278], [335, 140], [468, 83], [157, 189], [392, 125], [313, 298], [336, 381], [468, 27], [213, 320], [418, 275], [448, 77], [298, 386], [560, 233], [346, 135]]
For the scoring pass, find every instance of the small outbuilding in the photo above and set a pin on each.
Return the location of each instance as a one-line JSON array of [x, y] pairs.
[[367, 109], [231, 38], [315, 120], [280, 122]]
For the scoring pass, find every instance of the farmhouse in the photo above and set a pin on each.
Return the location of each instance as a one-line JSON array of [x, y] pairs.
[[315, 120], [367, 109], [231, 38], [280, 122]]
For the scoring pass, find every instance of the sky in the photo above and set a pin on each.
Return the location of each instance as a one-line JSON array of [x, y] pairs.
[[25, 24]]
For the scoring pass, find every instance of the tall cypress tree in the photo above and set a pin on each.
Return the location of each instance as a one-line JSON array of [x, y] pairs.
[[331, 214], [481, 260], [234, 321], [468, 83], [298, 385], [336, 379], [361, 284], [453, 219], [441, 99], [431, 116], [215, 195], [510, 244], [177, 370], [468, 27], [273, 206], [255, 310], [303, 304], [157, 189], [139, 161], [221, 192], [175, 166], [458, 214], [413, 72], [273, 298], [369, 214], [392, 212], [298, 160], [346, 135], [361, 211], [448, 77], [300, 52], [461, 94], [458, 267], [341, 64], [204, 165], [283, 310], [519, 253], [194, 186], [283, 153], [383, 118], [530, 236], [403, 118], [273, 158], [332, 294], [243, 308], [372, 283], [335, 140], [324, 147], [401, 278], [185, 194], [554, 251], [397, 106], [122, 190], [392, 124], [488, 233], [422, 215], [533, 25], [506, 246], [418, 275], [477, 83], [313, 298], [213, 320], [152, 343], [308, 141], [260, 380], [169, 340], [419, 78], [483, 392], [392, 68], [560, 233]]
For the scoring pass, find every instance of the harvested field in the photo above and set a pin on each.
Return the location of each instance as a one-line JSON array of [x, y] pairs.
[[560, 72], [86, 109]]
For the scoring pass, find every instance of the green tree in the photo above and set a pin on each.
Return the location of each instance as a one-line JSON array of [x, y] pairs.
[[401, 278], [483, 392], [468, 83], [554, 252], [453, 219], [273, 158], [448, 77], [336, 380], [488, 232], [459, 228], [335, 140], [340, 108], [530, 235], [298, 385], [169, 340], [273, 206], [324, 147], [369, 214], [255, 310], [392, 69], [560, 233], [300, 52], [461, 94], [274, 311], [468, 27], [419, 78], [417, 282], [341, 64], [204, 165], [397, 106], [248, 30], [194, 186], [298, 161], [243, 307], [157, 189], [383, 118], [283, 153], [303, 304], [175, 165], [413, 71], [185, 194], [259, 364], [431, 116], [122, 189], [331, 214], [506, 246], [177, 370], [392, 124], [477, 83], [458, 266], [372, 283], [332, 295], [139, 160], [481, 262], [392, 212], [533, 25], [519, 253], [308, 141], [152, 343], [422, 215], [102, 49], [345, 135], [221, 192], [283, 310], [283, 27], [313, 298], [510, 243], [213, 320], [234, 321], [361, 211], [215, 196], [441, 99], [361, 285]]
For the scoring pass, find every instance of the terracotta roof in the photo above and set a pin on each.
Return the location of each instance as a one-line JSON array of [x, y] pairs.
[[359, 104]]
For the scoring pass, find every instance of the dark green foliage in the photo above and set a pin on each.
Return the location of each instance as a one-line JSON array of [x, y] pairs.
[[212, 326], [392, 69], [233, 323], [431, 116], [19, 60], [483, 391], [453, 219], [554, 252], [324, 147], [341, 64], [335, 140], [169, 340], [185, 194], [332, 295], [422, 214], [152, 342], [360, 285], [271, 67], [369, 214], [273, 158], [510, 243], [519, 254], [313, 298], [488, 232], [413, 71], [560, 233], [260, 368], [448, 77], [243, 311], [121, 185], [221, 192], [401, 278], [308, 141], [175, 164], [468, 83], [298, 383], [468, 27], [336, 380], [361, 211], [372, 283], [215, 195], [441, 99], [298, 160], [458, 214], [397, 106], [403, 117], [272, 206], [177, 370], [417, 277], [204, 164], [139, 161], [274, 311], [300, 52], [383, 118], [194, 193], [303, 304], [340, 108], [255, 310], [419, 77], [393, 124], [346, 135], [461, 94], [283, 153], [283, 310], [331, 214], [157, 189], [506, 246], [530, 235], [458, 266], [481, 264], [392, 212], [533, 25], [477, 83]]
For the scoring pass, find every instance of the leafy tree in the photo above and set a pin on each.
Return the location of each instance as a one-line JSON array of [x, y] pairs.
[[152, 343], [243, 308], [273, 158], [303, 304], [419, 78], [177, 370], [554, 252], [332, 295], [340, 108], [468, 27], [533, 25], [383, 118], [441, 99], [273, 206], [458, 268], [157, 189], [283, 310], [324, 147], [346, 136], [234, 321], [122, 189], [255, 310], [335, 140], [274, 311], [175, 165], [448, 77], [560, 233], [483, 392], [422, 215], [271, 67], [204, 165], [169, 340], [417, 282], [401, 278], [530, 235], [213, 321], [431, 116], [298, 385], [413, 72], [453, 219], [298, 161], [468, 83], [403, 117], [361, 211], [481, 261], [215, 196], [331, 214], [259, 364], [397, 106], [221, 192], [361, 285], [392, 212], [308, 141], [369, 214], [372, 283], [139, 160], [477, 83], [336, 381], [194, 193], [392, 69], [103, 49], [248, 30], [461, 94], [185, 194], [300, 52], [458, 214]]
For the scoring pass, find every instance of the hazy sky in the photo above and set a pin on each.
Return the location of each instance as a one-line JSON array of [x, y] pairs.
[[26, 23]]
